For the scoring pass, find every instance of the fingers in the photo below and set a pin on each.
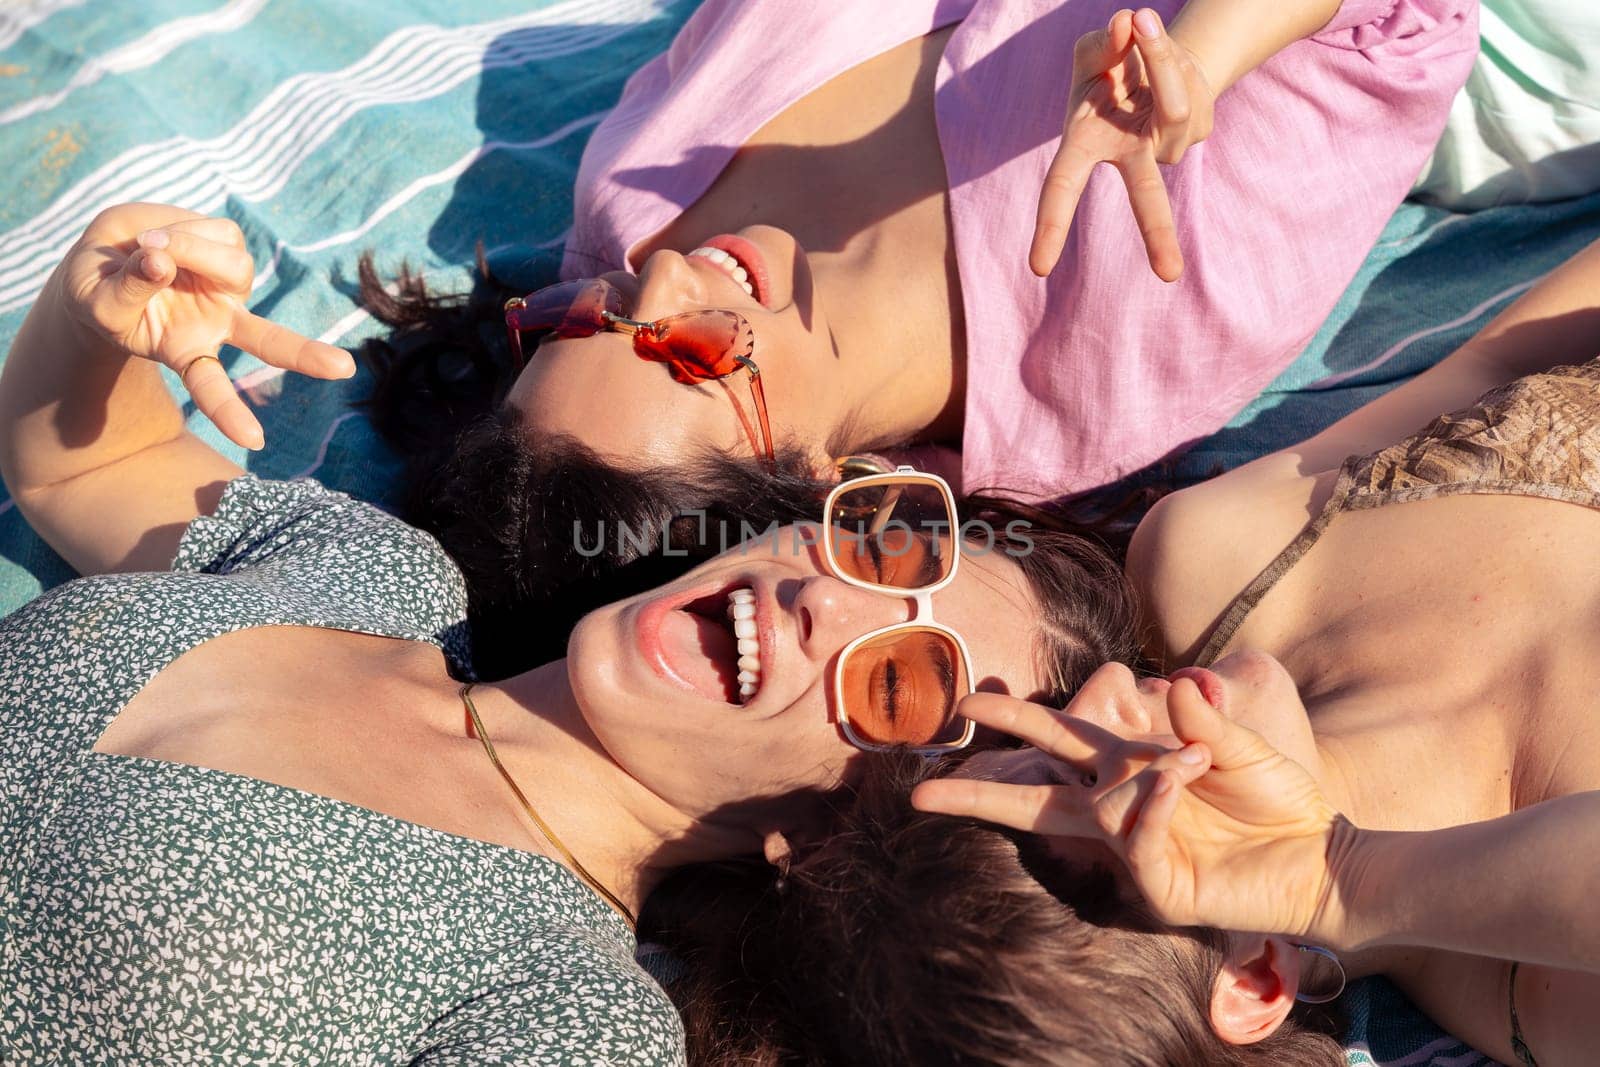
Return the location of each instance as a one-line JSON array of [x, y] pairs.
[[1066, 738], [215, 397], [122, 298], [1117, 810], [213, 249], [1167, 86], [119, 223], [1097, 52], [1147, 192], [221, 230], [1120, 32], [1195, 720], [1060, 810], [1058, 202], [1054, 810], [280, 346], [227, 266], [1145, 851], [1093, 57]]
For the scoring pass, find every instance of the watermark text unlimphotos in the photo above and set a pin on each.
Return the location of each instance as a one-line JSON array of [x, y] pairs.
[[895, 538]]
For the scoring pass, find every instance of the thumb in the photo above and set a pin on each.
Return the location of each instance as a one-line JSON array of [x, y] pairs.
[[1195, 720], [1098, 51]]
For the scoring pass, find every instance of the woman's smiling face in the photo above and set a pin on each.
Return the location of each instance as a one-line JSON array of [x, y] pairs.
[[656, 675], [634, 415]]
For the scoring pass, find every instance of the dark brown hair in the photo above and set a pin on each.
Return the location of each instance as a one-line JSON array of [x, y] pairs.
[[525, 516], [522, 514], [908, 938]]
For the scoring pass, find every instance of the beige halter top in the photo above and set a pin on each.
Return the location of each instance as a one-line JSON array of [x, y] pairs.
[[1537, 436]]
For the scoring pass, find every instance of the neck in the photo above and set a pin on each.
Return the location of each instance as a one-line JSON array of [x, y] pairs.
[[626, 837], [901, 351]]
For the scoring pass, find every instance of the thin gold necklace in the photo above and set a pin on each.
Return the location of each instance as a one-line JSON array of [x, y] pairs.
[[544, 827]]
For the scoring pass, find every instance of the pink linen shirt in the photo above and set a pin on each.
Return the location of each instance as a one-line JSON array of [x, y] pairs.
[[1103, 368]]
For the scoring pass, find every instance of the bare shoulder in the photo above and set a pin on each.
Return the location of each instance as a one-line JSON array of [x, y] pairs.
[[1199, 548]]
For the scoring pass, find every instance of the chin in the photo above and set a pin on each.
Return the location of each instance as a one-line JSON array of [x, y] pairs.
[[593, 658]]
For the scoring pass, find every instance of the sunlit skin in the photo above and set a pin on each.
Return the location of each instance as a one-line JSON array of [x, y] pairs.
[[862, 341], [640, 670], [1425, 670], [580, 386]]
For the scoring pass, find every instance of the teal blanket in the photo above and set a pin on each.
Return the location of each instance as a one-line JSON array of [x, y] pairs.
[[417, 128]]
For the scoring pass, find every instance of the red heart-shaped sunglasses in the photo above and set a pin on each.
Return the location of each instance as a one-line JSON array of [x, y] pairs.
[[696, 346]]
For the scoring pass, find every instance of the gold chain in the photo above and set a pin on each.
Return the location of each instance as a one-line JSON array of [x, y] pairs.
[[544, 828]]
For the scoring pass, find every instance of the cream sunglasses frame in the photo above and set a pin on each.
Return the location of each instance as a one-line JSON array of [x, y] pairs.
[[921, 621]]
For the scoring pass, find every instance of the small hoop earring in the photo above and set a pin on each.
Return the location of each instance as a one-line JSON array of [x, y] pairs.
[[1322, 998]]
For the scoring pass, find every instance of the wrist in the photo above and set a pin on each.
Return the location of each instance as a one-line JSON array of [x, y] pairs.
[[1217, 65], [56, 324], [1347, 914]]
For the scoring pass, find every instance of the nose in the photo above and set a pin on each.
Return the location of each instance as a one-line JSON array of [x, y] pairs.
[[667, 285], [1114, 699], [830, 614]]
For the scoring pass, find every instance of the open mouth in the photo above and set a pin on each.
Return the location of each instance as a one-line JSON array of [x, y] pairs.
[[713, 644], [742, 261]]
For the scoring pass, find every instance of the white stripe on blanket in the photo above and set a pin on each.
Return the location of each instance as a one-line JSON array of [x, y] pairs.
[[427, 181], [23, 17], [254, 159], [144, 52]]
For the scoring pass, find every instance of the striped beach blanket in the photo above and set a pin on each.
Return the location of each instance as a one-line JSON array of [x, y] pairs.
[[419, 127]]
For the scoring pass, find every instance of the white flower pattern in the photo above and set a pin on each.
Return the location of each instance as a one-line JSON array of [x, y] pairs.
[[154, 912]]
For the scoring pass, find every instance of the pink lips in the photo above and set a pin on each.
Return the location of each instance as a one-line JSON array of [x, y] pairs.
[[750, 258], [667, 642], [687, 642]]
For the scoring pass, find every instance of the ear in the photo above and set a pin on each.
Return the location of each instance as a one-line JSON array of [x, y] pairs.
[[1255, 988], [775, 846]]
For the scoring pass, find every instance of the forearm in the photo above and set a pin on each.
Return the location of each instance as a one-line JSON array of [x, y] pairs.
[[71, 403], [1557, 322], [1230, 38], [1521, 887]]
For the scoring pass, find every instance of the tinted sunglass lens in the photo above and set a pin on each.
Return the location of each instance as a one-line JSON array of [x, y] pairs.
[[902, 689], [570, 308], [900, 535], [703, 344]]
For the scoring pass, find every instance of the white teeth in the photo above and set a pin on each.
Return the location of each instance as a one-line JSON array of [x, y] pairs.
[[729, 264], [742, 614]]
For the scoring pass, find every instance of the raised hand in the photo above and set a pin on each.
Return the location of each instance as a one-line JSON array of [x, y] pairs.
[[1138, 98], [170, 286], [1226, 832]]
